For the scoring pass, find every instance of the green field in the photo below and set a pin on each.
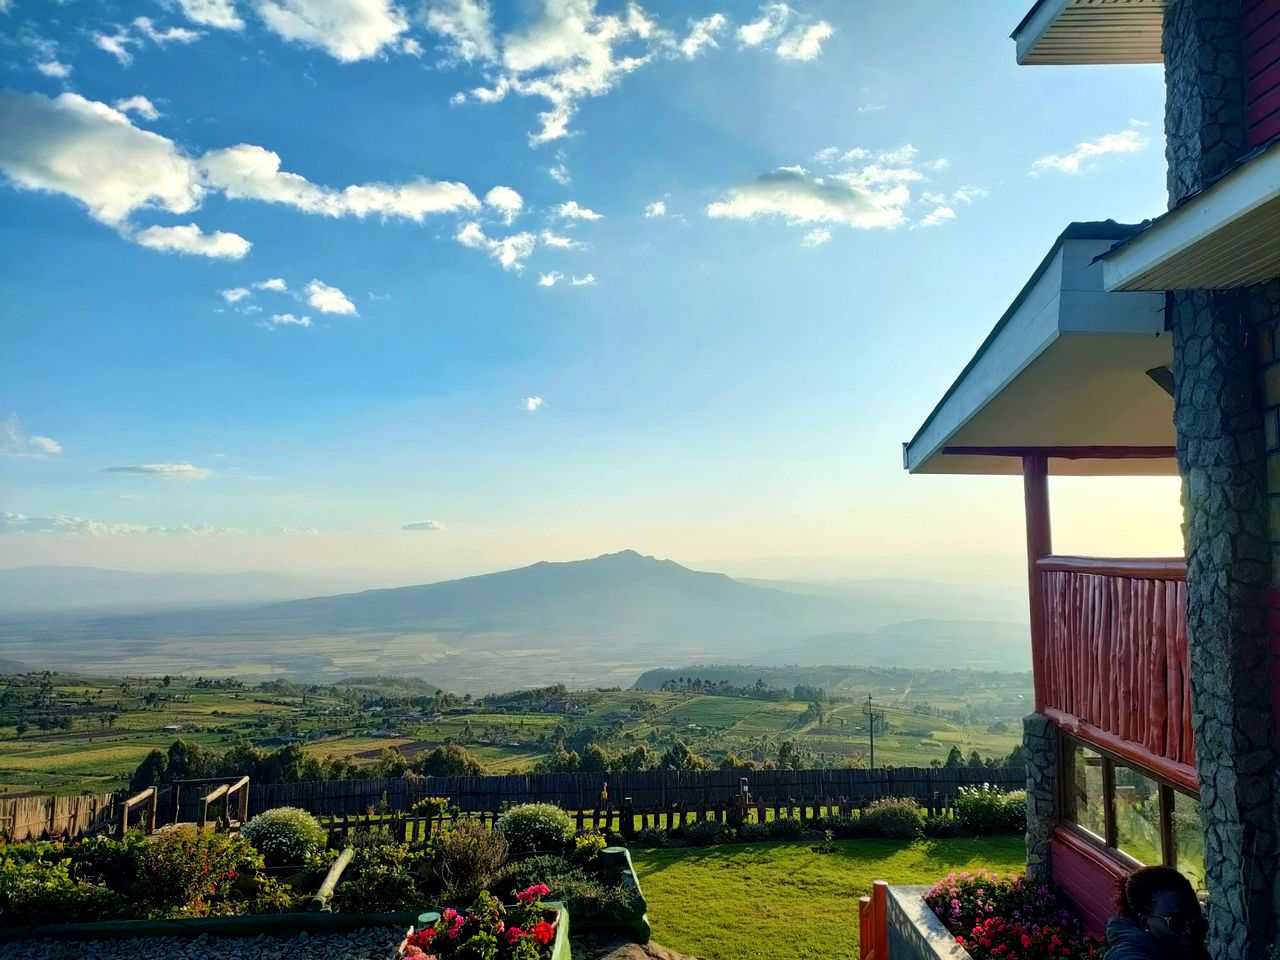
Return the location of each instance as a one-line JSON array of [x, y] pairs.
[[784, 901], [85, 733]]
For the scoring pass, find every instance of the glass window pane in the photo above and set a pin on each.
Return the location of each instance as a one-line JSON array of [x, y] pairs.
[[1188, 839], [1084, 790], [1138, 815]]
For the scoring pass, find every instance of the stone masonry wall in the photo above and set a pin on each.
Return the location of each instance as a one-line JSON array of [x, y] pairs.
[[1225, 402], [1040, 744]]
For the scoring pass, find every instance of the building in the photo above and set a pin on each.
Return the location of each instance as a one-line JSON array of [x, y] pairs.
[[1144, 350]]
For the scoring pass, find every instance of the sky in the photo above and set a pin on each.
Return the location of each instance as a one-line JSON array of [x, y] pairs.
[[445, 287]]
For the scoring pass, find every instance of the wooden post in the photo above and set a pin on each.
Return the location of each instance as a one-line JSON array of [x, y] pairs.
[[880, 904], [1035, 485]]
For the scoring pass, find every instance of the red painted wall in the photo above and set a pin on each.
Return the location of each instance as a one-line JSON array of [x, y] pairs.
[[1088, 877], [1262, 68]]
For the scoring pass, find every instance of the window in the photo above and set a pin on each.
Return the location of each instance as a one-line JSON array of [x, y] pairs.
[[1131, 813]]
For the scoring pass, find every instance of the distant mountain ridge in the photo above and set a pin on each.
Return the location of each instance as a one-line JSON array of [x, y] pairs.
[[596, 621]]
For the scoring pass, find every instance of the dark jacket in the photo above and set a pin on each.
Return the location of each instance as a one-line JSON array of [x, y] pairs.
[[1128, 941]]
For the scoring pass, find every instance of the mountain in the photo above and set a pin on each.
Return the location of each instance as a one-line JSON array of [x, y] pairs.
[[600, 621]]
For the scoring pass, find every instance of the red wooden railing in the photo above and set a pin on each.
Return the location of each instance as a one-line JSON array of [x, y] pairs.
[[873, 923], [1116, 668]]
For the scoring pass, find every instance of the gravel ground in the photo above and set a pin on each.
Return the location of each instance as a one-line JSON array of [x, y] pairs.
[[372, 943]]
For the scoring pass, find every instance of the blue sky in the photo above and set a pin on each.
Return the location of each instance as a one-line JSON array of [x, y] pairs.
[[559, 277]]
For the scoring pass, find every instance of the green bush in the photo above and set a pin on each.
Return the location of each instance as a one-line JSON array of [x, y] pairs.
[[898, 818], [378, 887], [704, 833], [588, 847], [191, 871], [466, 858], [112, 863], [536, 827], [786, 828], [285, 835], [941, 828], [987, 809], [431, 807], [651, 837], [754, 832], [37, 891], [846, 828]]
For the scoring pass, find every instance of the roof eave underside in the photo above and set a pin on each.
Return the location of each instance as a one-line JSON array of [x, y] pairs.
[[1069, 32]]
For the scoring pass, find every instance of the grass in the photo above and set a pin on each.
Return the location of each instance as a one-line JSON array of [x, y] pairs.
[[783, 901]]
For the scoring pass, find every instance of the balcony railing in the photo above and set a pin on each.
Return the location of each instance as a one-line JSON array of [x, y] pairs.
[[1116, 669]]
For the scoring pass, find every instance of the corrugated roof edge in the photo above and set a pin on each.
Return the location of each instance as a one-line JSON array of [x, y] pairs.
[[1079, 230], [1257, 151], [1023, 22]]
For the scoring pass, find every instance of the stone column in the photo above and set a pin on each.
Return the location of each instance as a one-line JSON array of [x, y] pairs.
[[1040, 744], [1229, 533]]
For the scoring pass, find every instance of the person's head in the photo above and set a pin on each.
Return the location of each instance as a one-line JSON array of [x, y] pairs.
[[1162, 902]]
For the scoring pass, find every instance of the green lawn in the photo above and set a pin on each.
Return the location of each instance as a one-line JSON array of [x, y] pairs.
[[785, 902]]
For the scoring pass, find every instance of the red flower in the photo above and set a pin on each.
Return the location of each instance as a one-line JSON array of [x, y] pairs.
[[544, 932]]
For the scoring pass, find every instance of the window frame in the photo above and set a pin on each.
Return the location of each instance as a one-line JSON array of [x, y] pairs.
[[1067, 745]]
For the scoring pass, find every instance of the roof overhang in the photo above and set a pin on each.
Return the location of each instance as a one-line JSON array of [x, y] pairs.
[[1091, 31], [1227, 235], [1065, 369]]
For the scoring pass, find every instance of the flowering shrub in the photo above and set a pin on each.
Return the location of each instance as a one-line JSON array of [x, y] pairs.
[[431, 807], [588, 846], [489, 931], [532, 827], [1008, 918], [988, 809], [192, 871], [285, 835], [898, 818]]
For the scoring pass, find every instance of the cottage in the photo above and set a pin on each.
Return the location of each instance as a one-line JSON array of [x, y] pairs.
[[1152, 349]]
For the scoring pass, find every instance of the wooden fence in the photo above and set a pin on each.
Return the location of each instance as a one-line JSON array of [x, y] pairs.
[[25, 818], [649, 792]]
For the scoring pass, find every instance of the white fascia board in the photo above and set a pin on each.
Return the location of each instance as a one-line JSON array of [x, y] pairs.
[[1251, 185], [1037, 24]]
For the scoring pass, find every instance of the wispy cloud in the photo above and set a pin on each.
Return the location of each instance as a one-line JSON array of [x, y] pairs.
[[423, 525], [532, 403], [802, 42], [18, 523], [1088, 151], [183, 470], [139, 105], [572, 210], [510, 251], [288, 320], [16, 442], [656, 209], [816, 237], [320, 296]]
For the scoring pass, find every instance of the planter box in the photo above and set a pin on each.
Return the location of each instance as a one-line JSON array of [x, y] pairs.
[[616, 867], [559, 946], [915, 933]]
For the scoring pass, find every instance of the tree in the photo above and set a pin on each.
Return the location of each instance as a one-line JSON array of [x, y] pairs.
[[955, 759], [22, 727], [391, 763], [1017, 758], [596, 759], [975, 761], [151, 772], [448, 761], [639, 757], [680, 757]]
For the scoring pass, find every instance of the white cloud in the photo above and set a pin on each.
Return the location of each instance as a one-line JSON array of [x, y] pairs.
[[274, 283], [550, 279], [572, 210], [139, 105], [54, 68], [773, 18], [506, 201], [423, 525], [189, 238], [347, 30], [184, 470], [509, 251], [533, 403], [250, 172], [937, 215], [220, 14], [91, 152], [235, 294], [656, 209], [161, 37], [861, 188], [560, 174], [14, 441], [18, 523], [288, 320], [1123, 141], [328, 299], [805, 43], [702, 34], [117, 44], [466, 27], [871, 108], [587, 281], [796, 196], [569, 53], [552, 239]]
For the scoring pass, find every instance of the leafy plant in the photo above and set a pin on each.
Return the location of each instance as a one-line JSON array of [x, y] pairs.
[[191, 870], [285, 835], [987, 809], [588, 846], [651, 837], [431, 807], [786, 828], [532, 827], [704, 833], [37, 891], [467, 857], [585, 895], [754, 832], [898, 818]]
